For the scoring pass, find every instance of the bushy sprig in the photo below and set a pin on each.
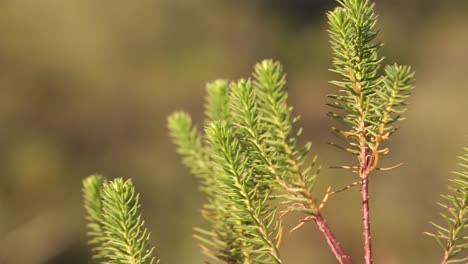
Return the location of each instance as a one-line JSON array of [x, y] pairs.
[[226, 240], [250, 130], [278, 140], [452, 235], [369, 100], [127, 238], [220, 241], [397, 84], [241, 192], [117, 230], [356, 60], [251, 157]]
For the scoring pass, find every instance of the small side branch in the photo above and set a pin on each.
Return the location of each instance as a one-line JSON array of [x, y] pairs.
[[345, 188], [329, 236]]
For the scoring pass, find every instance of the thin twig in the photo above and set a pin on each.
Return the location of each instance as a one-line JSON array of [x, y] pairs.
[[346, 187], [315, 215], [390, 168]]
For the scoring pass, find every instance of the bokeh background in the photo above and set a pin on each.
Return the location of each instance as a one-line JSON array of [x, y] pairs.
[[86, 86]]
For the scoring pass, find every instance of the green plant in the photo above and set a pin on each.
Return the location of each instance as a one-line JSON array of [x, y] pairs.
[[453, 238], [253, 170], [370, 101], [116, 229]]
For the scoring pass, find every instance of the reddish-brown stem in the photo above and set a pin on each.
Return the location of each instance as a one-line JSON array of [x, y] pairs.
[[334, 244], [445, 260], [366, 220], [368, 159]]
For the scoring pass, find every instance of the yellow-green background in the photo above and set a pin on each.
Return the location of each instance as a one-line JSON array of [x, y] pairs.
[[86, 86]]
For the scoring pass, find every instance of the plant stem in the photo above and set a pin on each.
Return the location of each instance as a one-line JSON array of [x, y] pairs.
[[366, 220], [368, 159], [334, 244], [445, 260], [366, 165]]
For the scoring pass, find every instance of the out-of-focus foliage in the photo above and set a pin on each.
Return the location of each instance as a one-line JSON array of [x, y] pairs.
[[85, 86], [92, 196], [451, 236]]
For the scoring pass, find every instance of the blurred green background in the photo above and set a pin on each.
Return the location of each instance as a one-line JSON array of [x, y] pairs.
[[86, 86]]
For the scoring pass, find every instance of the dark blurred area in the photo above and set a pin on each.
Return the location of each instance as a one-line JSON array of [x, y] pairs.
[[86, 86]]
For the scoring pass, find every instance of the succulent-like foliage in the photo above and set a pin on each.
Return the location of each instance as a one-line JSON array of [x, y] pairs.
[[117, 230], [452, 235]]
